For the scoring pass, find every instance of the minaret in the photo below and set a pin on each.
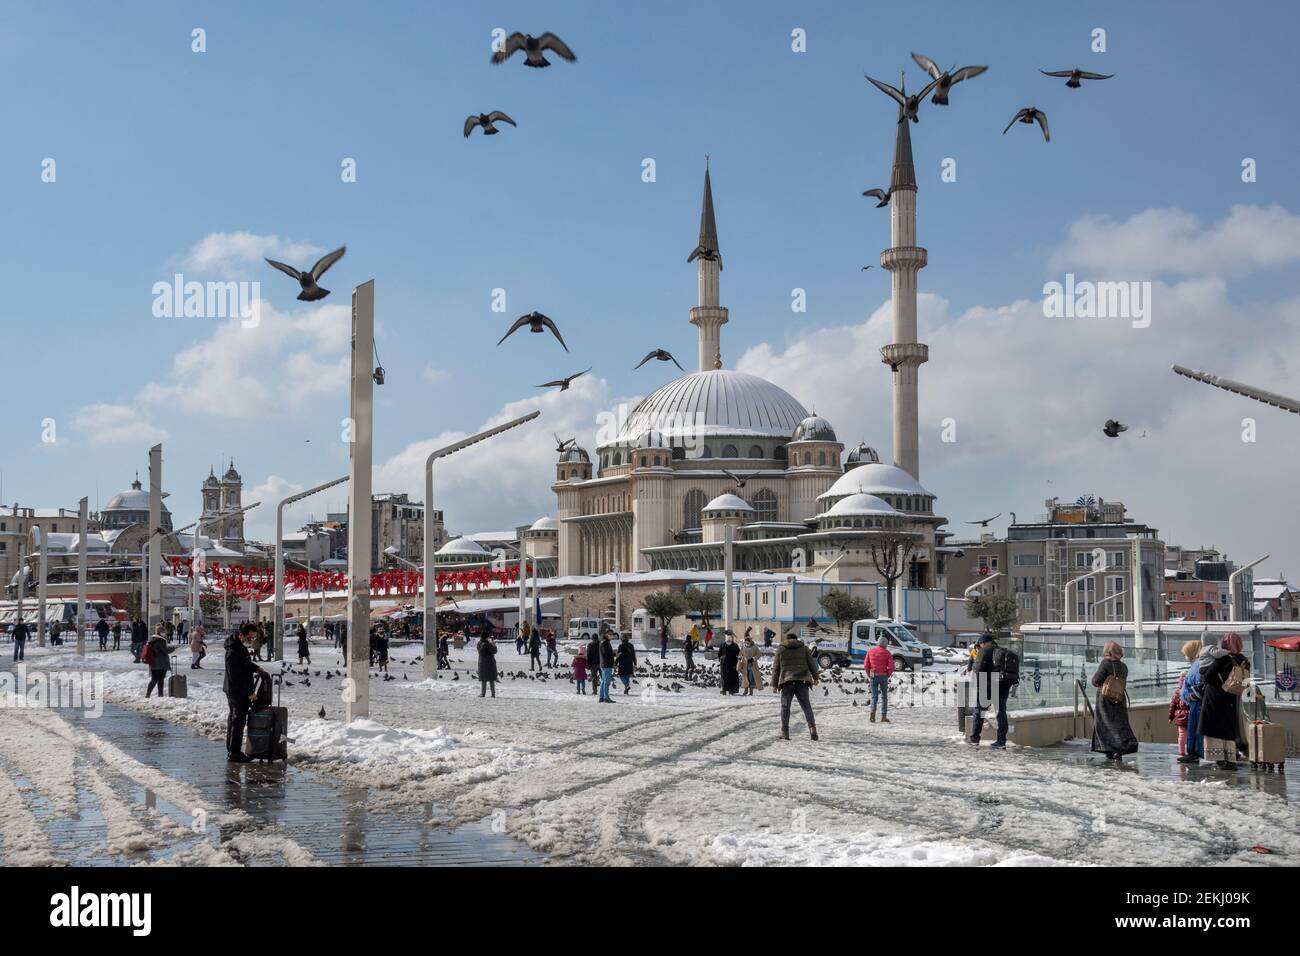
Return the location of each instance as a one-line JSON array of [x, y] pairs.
[[708, 316], [904, 258]]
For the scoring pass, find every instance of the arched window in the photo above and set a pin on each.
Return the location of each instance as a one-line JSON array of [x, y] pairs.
[[573, 473], [730, 451], [679, 453], [780, 453], [643, 461], [617, 459], [691, 507], [821, 457], [764, 505], [706, 452], [657, 462], [755, 451]]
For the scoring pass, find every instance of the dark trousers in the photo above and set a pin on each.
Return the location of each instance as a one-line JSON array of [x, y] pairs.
[[117, 642], [977, 725], [156, 680], [483, 685], [20, 651], [663, 649], [690, 666], [797, 689], [103, 643], [235, 723], [536, 658]]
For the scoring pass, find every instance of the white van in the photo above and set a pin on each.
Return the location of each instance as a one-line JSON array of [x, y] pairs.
[[584, 628]]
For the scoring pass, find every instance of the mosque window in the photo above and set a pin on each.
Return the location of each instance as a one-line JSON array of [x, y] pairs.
[[755, 451], [730, 451], [780, 453], [691, 507], [821, 458], [573, 473], [643, 461], [764, 505], [657, 461], [679, 452]]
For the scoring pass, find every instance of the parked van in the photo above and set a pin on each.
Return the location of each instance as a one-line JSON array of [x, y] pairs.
[[908, 650], [583, 628]]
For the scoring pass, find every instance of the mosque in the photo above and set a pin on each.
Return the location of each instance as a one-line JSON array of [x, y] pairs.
[[719, 451]]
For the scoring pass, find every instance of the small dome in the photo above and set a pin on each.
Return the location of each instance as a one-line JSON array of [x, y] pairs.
[[874, 479], [864, 454], [462, 546], [861, 504], [133, 499], [727, 502], [575, 452], [546, 523], [813, 428]]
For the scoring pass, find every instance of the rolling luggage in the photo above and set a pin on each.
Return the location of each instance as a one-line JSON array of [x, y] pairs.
[[1266, 745], [268, 727], [177, 684]]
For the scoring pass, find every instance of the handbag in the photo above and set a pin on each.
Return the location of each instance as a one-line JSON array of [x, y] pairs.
[[1112, 689]]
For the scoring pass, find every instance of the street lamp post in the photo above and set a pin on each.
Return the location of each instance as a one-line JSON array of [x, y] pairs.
[[1232, 584], [82, 516], [278, 648], [1099, 565], [430, 572]]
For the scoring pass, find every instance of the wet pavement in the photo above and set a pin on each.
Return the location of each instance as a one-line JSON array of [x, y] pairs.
[[331, 819]]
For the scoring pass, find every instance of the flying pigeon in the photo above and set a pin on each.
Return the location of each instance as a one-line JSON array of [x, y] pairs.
[[881, 194], [740, 482], [1031, 114], [865, 268], [1112, 428], [662, 355], [486, 120], [562, 445], [310, 290], [563, 383], [946, 79], [533, 48], [907, 104], [536, 322], [1076, 75], [984, 522]]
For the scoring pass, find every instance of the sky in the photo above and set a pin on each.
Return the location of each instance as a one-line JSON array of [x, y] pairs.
[[167, 160]]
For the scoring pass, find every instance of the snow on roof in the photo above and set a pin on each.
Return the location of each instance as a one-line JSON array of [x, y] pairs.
[[860, 504], [728, 502], [545, 523], [875, 478], [462, 545]]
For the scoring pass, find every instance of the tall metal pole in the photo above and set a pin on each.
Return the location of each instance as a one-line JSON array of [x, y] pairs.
[[430, 574], [41, 584], [82, 517], [278, 643], [1137, 593], [523, 586], [728, 570], [154, 607], [360, 458], [618, 599], [1232, 586]]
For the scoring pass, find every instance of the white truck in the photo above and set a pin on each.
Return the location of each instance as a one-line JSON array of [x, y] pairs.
[[908, 650]]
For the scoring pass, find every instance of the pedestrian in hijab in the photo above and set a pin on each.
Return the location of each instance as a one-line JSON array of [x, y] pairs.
[[1112, 734]]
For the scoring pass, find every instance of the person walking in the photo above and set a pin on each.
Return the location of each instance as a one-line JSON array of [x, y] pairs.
[[1179, 708], [444, 653], [794, 671], [139, 635], [879, 666], [708, 636], [198, 646], [625, 661], [157, 655], [487, 664], [580, 670], [1112, 734], [117, 635], [258, 637], [238, 683], [987, 685], [56, 629], [593, 664], [769, 635], [552, 652], [101, 629], [1225, 675], [751, 676], [534, 649], [729, 664], [522, 633], [607, 660], [688, 648], [1191, 696], [304, 649], [663, 640], [20, 640]]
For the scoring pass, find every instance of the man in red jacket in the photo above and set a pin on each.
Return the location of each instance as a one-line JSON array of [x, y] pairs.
[[879, 666]]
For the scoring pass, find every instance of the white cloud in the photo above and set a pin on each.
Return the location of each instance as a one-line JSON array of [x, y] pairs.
[[1171, 241], [223, 252], [435, 376], [106, 424]]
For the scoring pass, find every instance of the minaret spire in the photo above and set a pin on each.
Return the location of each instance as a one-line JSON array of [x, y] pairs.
[[708, 315], [904, 259]]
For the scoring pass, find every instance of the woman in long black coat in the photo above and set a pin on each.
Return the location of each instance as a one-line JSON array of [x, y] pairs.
[[1112, 734], [1220, 719], [728, 658], [487, 665]]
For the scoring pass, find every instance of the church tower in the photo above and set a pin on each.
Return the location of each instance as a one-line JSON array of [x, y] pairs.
[[708, 316], [904, 259]]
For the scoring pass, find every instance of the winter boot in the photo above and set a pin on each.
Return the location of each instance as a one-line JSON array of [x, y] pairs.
[[785, 733], [884, 720], [812, 731], [873, 716]]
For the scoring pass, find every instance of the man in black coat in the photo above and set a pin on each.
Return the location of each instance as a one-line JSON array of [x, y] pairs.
[[534, 649], [688, 648], [20, 639], [987, 685], [240, 691], [607, 658], [728, 659]]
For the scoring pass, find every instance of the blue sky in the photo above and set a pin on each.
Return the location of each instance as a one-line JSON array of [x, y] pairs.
[[158, 147]]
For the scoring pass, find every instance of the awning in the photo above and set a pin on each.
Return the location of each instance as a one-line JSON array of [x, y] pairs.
[[1291, 643]]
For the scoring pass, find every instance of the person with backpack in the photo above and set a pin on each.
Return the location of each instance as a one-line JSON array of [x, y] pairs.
[[794, 671], [1112, 734], [1190, 694], [879, 666], [157, 656], [994, 672], [239, 684], [1225, 675]]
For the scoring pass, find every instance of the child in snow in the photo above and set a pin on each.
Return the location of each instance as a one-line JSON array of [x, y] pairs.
[[580, 670]]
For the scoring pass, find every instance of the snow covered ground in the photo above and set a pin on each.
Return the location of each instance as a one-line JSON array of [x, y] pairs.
[[691, 777]]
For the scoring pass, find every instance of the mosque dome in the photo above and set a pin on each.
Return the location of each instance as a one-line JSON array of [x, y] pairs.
[[813, 428], [134, 498], [717, 402], [727, 503], [462, 547], [574, 452], [546, 523], [864, 454], [875, 478], [861, 505]]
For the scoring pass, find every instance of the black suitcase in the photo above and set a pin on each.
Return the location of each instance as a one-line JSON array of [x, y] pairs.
[[177, 684], [268, 728]]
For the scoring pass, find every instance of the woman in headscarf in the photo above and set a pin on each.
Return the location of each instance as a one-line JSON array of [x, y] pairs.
[[1220, 721], [728, 659], [750, 677], [1181, 709], [1112, 734]]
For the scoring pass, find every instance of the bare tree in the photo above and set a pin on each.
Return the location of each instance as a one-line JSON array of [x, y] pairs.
[[889, 554]]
